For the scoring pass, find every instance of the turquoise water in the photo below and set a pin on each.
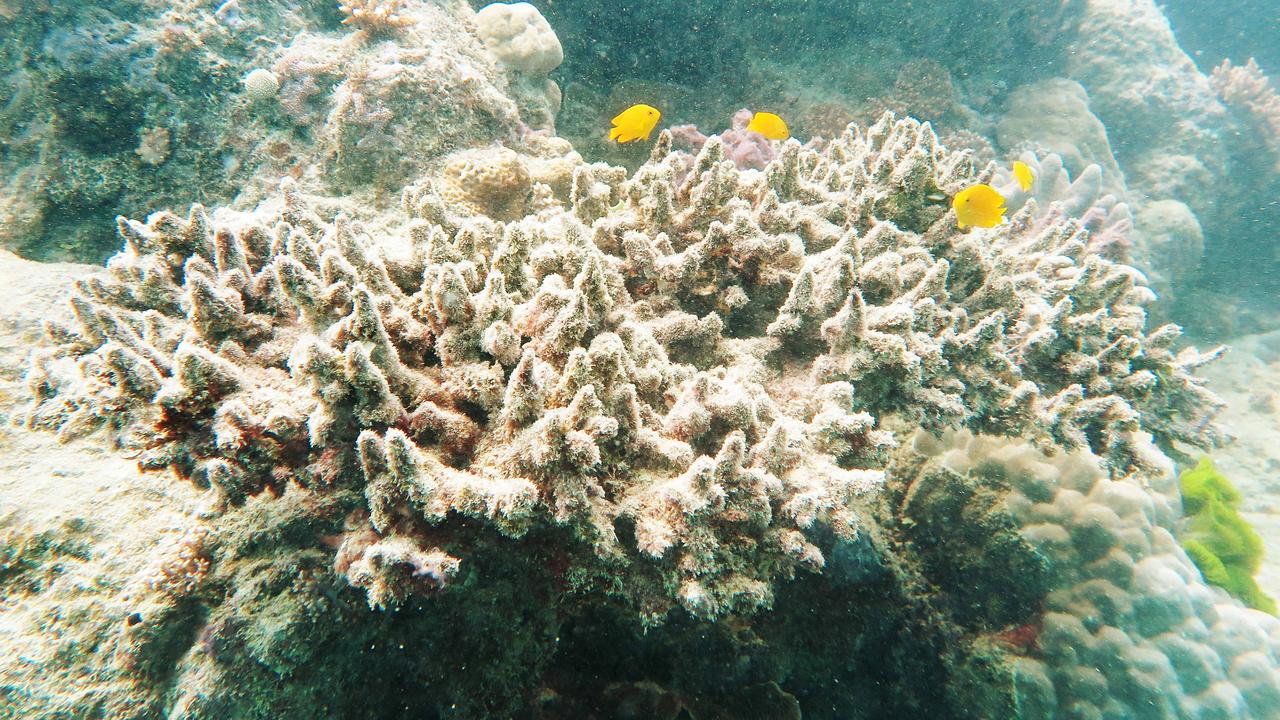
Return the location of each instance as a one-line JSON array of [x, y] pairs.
[[675, 360]]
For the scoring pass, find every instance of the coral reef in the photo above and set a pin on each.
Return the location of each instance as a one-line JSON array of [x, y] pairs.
[[125, 107], [1223, 545], [384, 111], [668, 399], [129, 109], [1160, 112], [750, 431]]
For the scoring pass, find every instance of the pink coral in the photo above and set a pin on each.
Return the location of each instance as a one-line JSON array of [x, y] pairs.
[[747, 149]]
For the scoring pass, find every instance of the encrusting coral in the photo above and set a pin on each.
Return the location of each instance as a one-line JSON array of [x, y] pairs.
[[697, 378]]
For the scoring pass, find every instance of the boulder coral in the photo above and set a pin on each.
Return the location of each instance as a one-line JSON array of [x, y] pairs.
[[1127, 627], [522, 40]]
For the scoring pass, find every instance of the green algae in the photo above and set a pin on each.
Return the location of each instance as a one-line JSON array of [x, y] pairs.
[[1222, 544]]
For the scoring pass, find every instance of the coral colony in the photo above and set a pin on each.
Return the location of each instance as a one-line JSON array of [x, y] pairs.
[[712, 360]]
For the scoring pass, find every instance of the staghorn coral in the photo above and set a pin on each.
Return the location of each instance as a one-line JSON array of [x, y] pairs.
[[694, 379]]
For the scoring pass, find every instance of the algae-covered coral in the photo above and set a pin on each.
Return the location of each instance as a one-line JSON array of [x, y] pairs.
[[675, 391]]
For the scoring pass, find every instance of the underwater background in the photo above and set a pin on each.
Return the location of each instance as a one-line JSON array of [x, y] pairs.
[[702, 360]]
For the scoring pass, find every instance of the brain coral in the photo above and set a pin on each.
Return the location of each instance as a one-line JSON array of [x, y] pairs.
[[695, 374]]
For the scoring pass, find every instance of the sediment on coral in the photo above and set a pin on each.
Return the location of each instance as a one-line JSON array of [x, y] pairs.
[[683, 387]]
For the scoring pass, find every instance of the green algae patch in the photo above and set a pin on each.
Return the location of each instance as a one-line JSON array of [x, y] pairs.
[[1221, 543]]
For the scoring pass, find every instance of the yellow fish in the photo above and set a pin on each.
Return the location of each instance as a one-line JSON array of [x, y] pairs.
[[634, 123], [979, 205], [1022, 172], [769, 125]]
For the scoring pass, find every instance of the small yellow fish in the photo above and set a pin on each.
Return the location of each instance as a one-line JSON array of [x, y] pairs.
[[1022, 172], [979, 205], [634, 123], [769, 125]]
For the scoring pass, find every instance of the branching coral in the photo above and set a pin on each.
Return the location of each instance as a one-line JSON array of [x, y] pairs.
[[374, 15], [692, 377], [1086, 197], [1246, 89]]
